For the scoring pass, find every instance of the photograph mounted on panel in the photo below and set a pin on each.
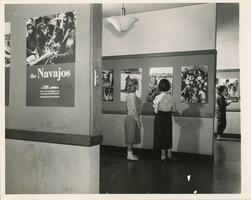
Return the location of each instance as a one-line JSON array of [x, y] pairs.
[[7, 45], [155, 75], [107, 94], [50, 60], [51, 39], [233, 88], [126, 75], [194, 84], [107, 77], [7, 56]]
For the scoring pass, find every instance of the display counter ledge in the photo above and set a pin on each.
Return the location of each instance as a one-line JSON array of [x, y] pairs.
[[164, 54], [233, 110], [150, 113], [51, 137]]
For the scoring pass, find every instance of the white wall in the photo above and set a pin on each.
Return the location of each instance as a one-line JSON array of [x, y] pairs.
[[48, 119], [179, 29], [44, 168], [227, 36], [34, 167]]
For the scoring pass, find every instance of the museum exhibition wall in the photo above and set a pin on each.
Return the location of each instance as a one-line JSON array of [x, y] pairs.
[[52, 137], [142, 52]]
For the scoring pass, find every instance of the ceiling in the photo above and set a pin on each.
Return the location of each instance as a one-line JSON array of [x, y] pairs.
[[114, 9]]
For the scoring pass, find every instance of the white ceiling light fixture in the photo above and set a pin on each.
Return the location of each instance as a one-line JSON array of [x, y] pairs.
[[123, 22]]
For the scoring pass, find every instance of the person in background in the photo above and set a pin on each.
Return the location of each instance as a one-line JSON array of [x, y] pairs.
[[132, 121], [163, 106], [66, 52], [221, 105]]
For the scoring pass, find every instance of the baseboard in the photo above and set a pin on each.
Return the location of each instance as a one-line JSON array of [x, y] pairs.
[[152, 153], [230, 135], [51, 137]]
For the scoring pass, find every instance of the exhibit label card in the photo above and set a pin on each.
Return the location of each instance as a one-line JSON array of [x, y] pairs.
[[50, 60], [53, 86]]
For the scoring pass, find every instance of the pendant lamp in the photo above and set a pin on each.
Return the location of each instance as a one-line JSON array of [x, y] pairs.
[[123, 22]]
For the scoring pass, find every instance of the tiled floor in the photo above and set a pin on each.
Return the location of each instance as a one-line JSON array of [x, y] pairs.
[[150, 175]]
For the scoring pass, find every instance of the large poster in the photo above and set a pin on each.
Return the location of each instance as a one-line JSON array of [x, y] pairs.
[[7, 52], [50, 60], [155, 75], [194, 84], [126, 75]]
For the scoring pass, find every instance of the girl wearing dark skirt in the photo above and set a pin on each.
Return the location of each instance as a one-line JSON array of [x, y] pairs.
[[163, 106]]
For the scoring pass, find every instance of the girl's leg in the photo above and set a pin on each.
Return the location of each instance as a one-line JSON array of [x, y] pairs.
[[163, 154], [169, 153], [130, 155]]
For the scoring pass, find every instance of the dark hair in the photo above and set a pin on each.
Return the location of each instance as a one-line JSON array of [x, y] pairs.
[[164, 85], [131, 85], [69, 14], [221, 88]]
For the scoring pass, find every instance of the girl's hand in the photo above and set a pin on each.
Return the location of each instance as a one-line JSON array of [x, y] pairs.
[[139, 124]]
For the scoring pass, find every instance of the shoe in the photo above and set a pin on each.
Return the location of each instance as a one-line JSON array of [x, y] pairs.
[[163, 157], [219, 137], [132, 157], [169, 154]]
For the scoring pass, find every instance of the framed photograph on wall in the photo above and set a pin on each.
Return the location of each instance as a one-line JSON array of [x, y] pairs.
[[233, 88], [107, 77], [155, 75], [194, 84], [125, 76], [7, 58], [107, 94]]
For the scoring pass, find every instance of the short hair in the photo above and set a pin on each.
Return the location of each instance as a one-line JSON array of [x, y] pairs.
[[221, 88], [69, 14], [164, 85], [131, 85]]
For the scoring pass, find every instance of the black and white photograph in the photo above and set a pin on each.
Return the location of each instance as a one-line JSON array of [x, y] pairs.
[[51, 39], [107, 94], [125, 76], [233, 88], [125, 100], [7, 50], [155, 75], [194, 82], [107, 78], [7, 58]]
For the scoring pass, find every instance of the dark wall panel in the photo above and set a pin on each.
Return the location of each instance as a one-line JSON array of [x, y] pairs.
[[175, 60]]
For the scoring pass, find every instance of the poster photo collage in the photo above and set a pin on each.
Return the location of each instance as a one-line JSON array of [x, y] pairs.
[[50, 59], [194, 83]]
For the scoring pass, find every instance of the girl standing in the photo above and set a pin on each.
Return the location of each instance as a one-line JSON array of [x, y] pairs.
[[163, 106], [132, 121]]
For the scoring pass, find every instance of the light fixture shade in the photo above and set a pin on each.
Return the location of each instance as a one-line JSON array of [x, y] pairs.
[[122, 23]]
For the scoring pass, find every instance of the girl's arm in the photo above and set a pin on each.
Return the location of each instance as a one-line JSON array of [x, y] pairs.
[[155, 106], [173, 108], [134, 109]]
